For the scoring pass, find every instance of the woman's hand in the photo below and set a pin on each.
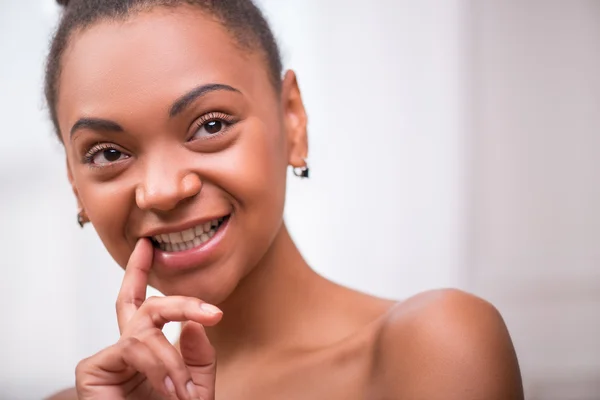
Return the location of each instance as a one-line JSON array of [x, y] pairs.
[[143, 364]]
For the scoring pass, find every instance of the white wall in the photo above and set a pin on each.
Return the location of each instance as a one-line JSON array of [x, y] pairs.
[[382, 212], [535, 215], [384, 89], [453, 143]]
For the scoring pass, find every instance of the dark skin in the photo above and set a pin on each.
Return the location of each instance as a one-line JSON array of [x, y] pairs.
[[280, 330]]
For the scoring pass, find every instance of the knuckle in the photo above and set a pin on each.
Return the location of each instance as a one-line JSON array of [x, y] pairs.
[[196, 302], [81, 368], [130, 343], [156, 318], [190, 300], [123, 301]]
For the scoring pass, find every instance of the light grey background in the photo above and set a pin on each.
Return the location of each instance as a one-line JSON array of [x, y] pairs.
[[453, 143]]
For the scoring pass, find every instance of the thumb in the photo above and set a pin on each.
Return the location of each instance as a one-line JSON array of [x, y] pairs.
[[196, 350]]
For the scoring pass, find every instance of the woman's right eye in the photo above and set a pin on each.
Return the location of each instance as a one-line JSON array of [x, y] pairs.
[[102, 155]]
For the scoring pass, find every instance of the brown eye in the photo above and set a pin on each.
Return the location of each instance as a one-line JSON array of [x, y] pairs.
[[105, 156], [213, 127], [112, 155]]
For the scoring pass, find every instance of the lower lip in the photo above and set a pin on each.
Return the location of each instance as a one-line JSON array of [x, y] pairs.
[[192, 258]]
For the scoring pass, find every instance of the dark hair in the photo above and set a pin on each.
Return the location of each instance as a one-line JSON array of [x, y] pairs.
[[242, 18]]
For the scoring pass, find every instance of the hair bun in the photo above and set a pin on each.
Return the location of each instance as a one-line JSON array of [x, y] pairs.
[[63, 3]]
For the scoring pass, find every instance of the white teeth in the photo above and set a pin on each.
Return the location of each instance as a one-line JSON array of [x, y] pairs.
[[188, 239], [175, 237], [188, 235]]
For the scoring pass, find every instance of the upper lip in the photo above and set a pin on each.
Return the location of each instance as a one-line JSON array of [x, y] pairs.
[[181, 227]]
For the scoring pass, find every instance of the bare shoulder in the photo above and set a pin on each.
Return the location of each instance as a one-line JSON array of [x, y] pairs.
[[445, 344], [69, 394]]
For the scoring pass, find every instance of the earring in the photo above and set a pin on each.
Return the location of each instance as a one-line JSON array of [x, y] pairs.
[[302, 172], [82, 218]]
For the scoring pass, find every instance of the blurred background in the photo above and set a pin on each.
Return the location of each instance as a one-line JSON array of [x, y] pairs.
[[453, 143]]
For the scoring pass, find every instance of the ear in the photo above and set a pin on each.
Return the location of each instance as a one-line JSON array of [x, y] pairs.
[[295, 121]]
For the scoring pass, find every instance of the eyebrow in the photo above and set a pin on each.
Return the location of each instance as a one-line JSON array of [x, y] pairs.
[[184, 101], [96, 124]]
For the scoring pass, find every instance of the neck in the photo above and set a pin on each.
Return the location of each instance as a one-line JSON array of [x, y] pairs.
[[270, 304]]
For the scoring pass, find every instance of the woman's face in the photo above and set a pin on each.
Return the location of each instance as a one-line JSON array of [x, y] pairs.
[[174, 132]]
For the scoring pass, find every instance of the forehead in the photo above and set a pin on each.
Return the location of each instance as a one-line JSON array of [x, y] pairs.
[[160, 53]]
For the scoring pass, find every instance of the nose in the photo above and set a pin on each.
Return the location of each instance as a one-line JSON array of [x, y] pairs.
[[164, 188]]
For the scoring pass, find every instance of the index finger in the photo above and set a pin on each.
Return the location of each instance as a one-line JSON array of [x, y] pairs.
[[133, 289]]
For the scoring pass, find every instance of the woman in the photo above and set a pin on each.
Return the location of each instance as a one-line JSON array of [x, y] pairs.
[[179, 127]]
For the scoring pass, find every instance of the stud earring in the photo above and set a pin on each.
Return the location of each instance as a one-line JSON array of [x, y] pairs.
[[302, 172], [82, 218]]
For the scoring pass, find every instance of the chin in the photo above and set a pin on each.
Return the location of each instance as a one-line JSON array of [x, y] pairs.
[[212, 285]]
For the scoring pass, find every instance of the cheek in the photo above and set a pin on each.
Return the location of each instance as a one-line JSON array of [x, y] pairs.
[[264, 183], [259, 165]]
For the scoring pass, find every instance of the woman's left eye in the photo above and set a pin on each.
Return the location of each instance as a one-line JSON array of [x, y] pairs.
[[210, 127], [108, 156]]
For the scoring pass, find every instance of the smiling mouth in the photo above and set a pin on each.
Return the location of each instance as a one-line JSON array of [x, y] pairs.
[[189, 238]]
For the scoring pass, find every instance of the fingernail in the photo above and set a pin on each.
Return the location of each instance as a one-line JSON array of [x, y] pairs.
[[210, 309], [191, 388], [169, 385]]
